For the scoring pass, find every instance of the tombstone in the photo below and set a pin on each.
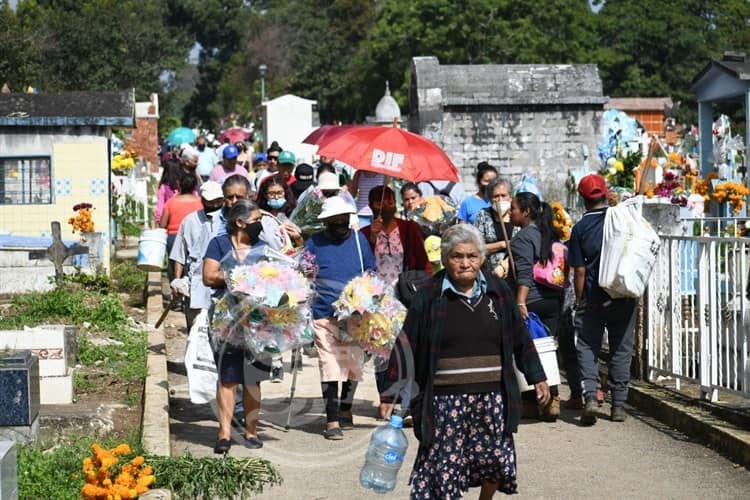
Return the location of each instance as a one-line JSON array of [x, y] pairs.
[[19, 396], [8, 470]]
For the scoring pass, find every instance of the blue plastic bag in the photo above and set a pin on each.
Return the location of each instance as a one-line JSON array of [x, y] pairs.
[[528, 184], [536, 328]]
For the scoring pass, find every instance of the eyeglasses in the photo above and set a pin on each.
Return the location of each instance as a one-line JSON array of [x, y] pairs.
[[274, 194]]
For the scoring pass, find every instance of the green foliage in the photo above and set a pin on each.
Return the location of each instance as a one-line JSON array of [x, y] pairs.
[[65, 306], [123, 357], [94, 45], [193, 477], [127, 277], [100, 283], [127, 214], [53, 470]]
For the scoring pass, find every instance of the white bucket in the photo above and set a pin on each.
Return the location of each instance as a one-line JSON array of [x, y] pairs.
[[547, 349], [152, 249]]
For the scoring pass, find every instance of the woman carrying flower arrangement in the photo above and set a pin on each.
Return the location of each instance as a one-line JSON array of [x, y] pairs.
[[341, 255], [239, 245]]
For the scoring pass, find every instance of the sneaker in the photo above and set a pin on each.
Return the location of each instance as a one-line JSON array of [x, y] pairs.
[[551, 410], [588, 416], [277, 375], [618, 414], [335, 434]]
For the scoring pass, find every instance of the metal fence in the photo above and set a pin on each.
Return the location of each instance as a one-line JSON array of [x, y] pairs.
[[698, 313]]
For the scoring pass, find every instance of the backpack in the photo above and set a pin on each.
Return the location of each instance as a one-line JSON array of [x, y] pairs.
[[629, 250], [554, 274]]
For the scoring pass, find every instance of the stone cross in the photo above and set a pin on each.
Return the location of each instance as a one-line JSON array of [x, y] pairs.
[[57, 251]]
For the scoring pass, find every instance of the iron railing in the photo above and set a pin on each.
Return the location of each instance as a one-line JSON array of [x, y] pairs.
[[698, 313]]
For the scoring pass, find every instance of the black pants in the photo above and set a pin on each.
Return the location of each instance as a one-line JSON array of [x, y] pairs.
[[334, 404]]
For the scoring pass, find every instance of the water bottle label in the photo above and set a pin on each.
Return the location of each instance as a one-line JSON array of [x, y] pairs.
[[391, 457]]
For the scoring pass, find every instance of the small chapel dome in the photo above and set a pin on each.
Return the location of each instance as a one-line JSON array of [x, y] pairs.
[[387, 109]]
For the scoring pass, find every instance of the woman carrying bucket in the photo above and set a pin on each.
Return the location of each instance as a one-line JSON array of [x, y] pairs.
[[532, 245]]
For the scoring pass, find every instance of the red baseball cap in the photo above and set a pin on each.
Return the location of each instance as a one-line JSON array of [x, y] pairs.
[[592, 186]]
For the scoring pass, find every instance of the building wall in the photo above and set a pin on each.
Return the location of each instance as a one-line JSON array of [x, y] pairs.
[[145, 139], [79, 171], [544, 141], [652, 120]]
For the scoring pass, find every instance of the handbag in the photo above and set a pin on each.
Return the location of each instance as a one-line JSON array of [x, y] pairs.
[[536, 328], [554, 274]]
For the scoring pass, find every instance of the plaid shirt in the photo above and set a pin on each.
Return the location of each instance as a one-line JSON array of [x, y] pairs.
[[414, 360]]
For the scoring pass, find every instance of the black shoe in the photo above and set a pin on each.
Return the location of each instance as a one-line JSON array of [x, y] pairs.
[[588, 416], [346, 422], [335, 434], [253, 443], [618, 414], [408, 419], [277, 375], [222, 446]]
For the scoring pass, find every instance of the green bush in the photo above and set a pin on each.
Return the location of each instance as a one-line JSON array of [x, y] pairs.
[[125, 358]]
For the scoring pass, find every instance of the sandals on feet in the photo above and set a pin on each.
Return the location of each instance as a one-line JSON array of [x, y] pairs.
[[253, 442], [335, 434], [222, 446]]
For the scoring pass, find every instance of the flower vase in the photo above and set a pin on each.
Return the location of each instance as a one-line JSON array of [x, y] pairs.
[[93, 240]]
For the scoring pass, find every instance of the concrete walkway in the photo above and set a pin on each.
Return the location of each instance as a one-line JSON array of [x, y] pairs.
[[640, 458]]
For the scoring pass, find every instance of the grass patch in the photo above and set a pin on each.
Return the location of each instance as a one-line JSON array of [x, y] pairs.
[[128, 278], [62, 305]]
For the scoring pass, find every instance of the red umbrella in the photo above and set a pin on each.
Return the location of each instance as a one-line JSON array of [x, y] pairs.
[[235, 134], [390, 151], [325, 133]]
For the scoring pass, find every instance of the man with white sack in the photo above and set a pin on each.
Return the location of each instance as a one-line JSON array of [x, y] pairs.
[[595, 309]]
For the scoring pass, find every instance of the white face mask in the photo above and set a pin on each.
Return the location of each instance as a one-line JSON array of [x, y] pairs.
[[502, 207]]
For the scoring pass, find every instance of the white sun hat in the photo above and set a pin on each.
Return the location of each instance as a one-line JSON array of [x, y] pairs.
[[328, 181], [335, 205]]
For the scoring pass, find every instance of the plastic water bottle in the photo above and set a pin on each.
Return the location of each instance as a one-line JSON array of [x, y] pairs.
[[384, 456]]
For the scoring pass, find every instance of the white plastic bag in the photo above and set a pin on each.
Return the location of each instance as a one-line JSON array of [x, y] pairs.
[[199, 362], [629, 249]]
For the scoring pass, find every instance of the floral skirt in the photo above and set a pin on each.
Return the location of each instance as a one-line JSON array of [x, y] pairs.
[[469, 445]]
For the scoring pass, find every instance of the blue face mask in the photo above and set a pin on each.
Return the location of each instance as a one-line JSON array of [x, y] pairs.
[[277, 203]]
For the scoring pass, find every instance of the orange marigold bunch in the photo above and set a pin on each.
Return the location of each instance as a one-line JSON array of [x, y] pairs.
[[561, 221], [102, 483], [703, 186], [733, 192], [82, 221]]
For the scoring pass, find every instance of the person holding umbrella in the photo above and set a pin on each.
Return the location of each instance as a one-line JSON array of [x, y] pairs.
[[341, 255]]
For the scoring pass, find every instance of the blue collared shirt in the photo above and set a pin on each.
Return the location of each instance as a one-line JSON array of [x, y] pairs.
[[480, 287]]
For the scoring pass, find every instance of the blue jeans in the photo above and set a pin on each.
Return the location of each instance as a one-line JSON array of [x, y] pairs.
[[618, 316]]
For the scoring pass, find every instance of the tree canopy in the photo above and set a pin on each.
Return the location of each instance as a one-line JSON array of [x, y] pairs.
[[341, 52]]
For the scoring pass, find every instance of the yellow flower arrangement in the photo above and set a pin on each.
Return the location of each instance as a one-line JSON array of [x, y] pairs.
[[82, 221], [561, 221], [733, 192], [125, 161], [133, 478]]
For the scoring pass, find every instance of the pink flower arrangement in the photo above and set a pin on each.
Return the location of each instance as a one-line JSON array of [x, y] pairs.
[[266, 308]]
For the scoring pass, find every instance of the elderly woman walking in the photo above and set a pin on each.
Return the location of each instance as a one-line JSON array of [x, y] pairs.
[[467, 408]]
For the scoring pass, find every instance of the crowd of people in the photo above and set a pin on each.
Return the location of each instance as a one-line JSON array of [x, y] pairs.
[[452, 367]]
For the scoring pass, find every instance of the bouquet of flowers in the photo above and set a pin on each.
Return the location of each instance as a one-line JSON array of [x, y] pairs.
[[561, 221], [434, 214], [372, 315], [266, 308], [305, 214], [733, 192], [82, 222]]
